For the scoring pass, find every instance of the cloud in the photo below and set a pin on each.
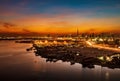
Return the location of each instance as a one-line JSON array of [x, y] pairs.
[[7, 25], [26, 31]]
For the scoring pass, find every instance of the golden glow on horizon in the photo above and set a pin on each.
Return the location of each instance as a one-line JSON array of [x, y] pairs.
[[62, 25]]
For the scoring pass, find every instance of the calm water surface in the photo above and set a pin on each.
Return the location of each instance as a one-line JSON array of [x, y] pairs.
[[16, 64]]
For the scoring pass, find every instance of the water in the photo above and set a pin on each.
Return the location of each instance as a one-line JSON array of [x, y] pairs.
[[16, 64]]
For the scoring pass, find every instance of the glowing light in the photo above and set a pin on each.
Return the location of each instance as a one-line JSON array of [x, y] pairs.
[[101, 58], [40, 42], [108, 58], [89, 43], [45, 41], [105, 58], [102, 46], [65, 43], [55, 42]]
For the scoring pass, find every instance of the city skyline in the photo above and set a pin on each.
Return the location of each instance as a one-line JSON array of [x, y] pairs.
[[63, 16]]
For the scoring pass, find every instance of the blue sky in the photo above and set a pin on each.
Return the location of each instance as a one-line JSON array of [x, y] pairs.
[[111, 7], [37, 14]]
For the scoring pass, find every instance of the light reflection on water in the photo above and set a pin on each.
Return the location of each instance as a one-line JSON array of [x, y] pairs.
[[18, 65]]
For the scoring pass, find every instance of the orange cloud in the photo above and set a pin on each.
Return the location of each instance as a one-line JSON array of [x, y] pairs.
[[62, 23]]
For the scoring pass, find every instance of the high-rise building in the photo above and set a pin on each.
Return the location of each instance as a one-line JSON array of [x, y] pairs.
[[77, 32]]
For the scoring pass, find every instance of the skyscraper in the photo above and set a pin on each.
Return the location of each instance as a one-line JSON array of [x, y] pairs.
[[77, 32]]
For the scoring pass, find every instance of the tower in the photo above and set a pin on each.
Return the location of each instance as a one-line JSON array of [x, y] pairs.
[[77, 32]]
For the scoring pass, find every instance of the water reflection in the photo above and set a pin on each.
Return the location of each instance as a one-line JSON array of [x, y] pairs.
[[25, 66]]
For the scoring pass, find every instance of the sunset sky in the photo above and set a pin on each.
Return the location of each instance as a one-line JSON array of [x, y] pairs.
[[59, 16]]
